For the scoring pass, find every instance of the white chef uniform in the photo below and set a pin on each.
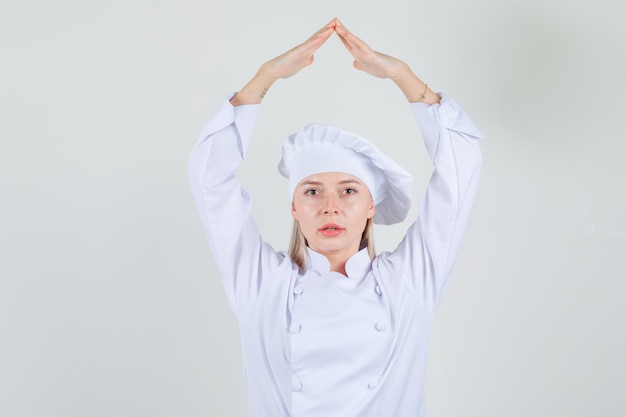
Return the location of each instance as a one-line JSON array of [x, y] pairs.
[[320, 344]]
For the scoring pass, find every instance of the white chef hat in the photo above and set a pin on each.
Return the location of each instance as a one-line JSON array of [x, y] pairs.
[[318, 148]]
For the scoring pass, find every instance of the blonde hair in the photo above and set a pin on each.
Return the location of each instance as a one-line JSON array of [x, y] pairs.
[[298, 244]]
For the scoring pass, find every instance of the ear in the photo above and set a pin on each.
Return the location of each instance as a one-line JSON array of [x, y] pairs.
[[293, 211], [371, 210]]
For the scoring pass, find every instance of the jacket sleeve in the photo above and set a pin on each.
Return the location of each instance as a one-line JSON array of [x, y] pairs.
[[245, 261], [427, 253]]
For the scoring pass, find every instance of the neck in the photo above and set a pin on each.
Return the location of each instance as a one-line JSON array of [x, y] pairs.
[[337, 263]]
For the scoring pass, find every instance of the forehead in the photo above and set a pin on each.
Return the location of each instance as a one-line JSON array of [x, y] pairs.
[[330, 178]]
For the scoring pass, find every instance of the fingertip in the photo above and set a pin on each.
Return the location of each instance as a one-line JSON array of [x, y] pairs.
[[341, 28], [330, 25]]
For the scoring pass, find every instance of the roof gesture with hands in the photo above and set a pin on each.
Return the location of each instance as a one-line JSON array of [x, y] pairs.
[[365, 59]]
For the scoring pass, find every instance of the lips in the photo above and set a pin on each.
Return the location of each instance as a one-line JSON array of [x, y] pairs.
[[330, 230]]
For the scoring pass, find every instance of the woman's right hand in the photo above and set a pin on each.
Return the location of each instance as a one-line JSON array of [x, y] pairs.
[[301, 56], [283, 66]]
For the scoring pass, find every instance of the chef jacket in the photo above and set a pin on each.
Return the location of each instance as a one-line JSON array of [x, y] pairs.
[[318, 343]]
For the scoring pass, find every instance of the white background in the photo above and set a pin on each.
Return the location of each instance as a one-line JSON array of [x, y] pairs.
[[110, 303]]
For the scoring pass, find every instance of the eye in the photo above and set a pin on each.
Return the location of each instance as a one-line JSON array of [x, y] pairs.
[[311, 191], [349, 191]]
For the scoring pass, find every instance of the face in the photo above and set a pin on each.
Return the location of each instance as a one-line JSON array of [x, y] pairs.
[[332, 209]]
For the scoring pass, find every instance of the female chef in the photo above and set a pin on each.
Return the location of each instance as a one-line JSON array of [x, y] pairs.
[[330, 329]]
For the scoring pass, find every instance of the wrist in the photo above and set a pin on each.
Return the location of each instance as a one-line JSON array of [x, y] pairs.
[[403, 74], [254, 91], [414, 89], [264, 74]]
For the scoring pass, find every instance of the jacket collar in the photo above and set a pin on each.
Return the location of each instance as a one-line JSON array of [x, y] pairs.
[[357, 266]]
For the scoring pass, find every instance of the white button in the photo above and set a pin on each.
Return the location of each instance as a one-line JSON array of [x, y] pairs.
[[297, 290], [296, 385], [295, 328], [373, 383], [380, 326], [378, 290]]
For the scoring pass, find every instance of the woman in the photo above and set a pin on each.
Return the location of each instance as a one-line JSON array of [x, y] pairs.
[[330, 329]]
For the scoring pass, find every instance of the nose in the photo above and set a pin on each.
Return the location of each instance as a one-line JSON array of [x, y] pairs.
[[331, 205]]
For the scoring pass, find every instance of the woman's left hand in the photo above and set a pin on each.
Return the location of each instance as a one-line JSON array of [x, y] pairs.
[[368, 60], [385, 66]]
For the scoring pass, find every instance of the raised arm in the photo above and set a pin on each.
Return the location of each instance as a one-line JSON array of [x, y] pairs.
[[426, 255], [246, 262]]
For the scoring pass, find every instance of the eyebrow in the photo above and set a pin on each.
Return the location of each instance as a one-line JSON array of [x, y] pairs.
[[318, 183]]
